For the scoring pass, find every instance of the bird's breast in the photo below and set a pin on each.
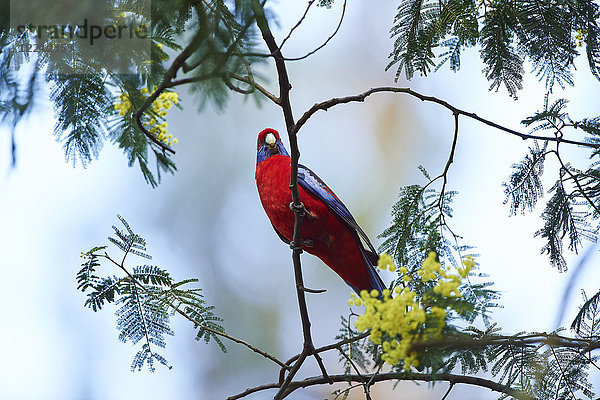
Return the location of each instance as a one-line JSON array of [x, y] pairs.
[[272, 181]]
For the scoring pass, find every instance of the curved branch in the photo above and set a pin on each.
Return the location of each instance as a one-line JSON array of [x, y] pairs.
[[393, 376], [310, 53], [310, 3], [252, 82], [325, 105]]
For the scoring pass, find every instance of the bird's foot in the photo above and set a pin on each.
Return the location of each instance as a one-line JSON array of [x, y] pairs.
[[299, 208], [303, 243], [295, 247]]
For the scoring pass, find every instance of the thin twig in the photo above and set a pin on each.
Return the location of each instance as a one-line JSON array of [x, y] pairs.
[[448, 391], [310, 53], [285, 39], [258, 87], [325, 105], [363, 383]]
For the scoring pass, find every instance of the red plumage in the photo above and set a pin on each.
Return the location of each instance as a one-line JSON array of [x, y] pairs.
[[332, 233]]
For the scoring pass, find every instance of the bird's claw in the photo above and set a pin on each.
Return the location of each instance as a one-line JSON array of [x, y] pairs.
[[308, 242], [300, 209], [304, 243], [295, 247]]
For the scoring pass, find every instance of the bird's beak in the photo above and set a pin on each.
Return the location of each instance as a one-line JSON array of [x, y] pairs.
[[271, 143]]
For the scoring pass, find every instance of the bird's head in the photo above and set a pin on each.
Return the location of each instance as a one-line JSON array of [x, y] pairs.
[[269, 143]]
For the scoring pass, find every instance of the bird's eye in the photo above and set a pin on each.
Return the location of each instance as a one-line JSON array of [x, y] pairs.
[[270, 139]]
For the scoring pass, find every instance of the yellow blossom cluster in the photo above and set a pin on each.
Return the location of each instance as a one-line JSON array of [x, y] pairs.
[[124, 105], [447, 284], [386, 262], [158, 111], [395, 322], [580, 36]]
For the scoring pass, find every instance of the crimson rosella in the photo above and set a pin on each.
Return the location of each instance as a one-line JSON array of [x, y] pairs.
[[328, 229]]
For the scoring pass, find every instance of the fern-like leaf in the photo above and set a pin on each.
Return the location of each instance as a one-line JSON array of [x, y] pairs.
[[86, 277], [104, 291], [546, 39], [146, 356], [565, 374], [192, 303], [503, 63], [412, 46], [587, 322], [129, 242], [562, 219], [524, 186], [585, 13], [138, 318], [553, 117], [80, 102]]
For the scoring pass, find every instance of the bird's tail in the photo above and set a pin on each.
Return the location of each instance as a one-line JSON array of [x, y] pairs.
[[370, 260]]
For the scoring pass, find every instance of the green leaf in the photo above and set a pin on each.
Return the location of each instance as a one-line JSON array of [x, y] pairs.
[[86, 277], [503, 63], [129, 242], [80, 102], [545, 37], [561, 219], [104, 291], [151, 274], [412, 50], [550, 118], [585, 14], [587, 322], [524, 186]]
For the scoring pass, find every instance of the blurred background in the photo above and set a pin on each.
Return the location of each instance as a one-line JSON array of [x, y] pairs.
[[206, 221]]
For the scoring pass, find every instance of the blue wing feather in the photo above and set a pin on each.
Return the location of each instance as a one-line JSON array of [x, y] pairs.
[[315, 185]]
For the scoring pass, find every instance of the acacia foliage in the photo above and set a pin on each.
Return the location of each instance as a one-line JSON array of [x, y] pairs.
[[146, 296], [548, 34], [84, 86], [525, 365]]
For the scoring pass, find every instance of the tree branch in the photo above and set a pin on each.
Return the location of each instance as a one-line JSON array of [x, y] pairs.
[[285, 39], [310, 53], [393, 376], [297, 206], [325, 105], [550, 339]]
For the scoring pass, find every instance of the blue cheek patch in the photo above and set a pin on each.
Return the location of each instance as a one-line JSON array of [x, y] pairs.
[[264, 152]]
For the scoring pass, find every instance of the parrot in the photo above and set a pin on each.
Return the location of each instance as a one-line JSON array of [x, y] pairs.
[[328, 230]]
